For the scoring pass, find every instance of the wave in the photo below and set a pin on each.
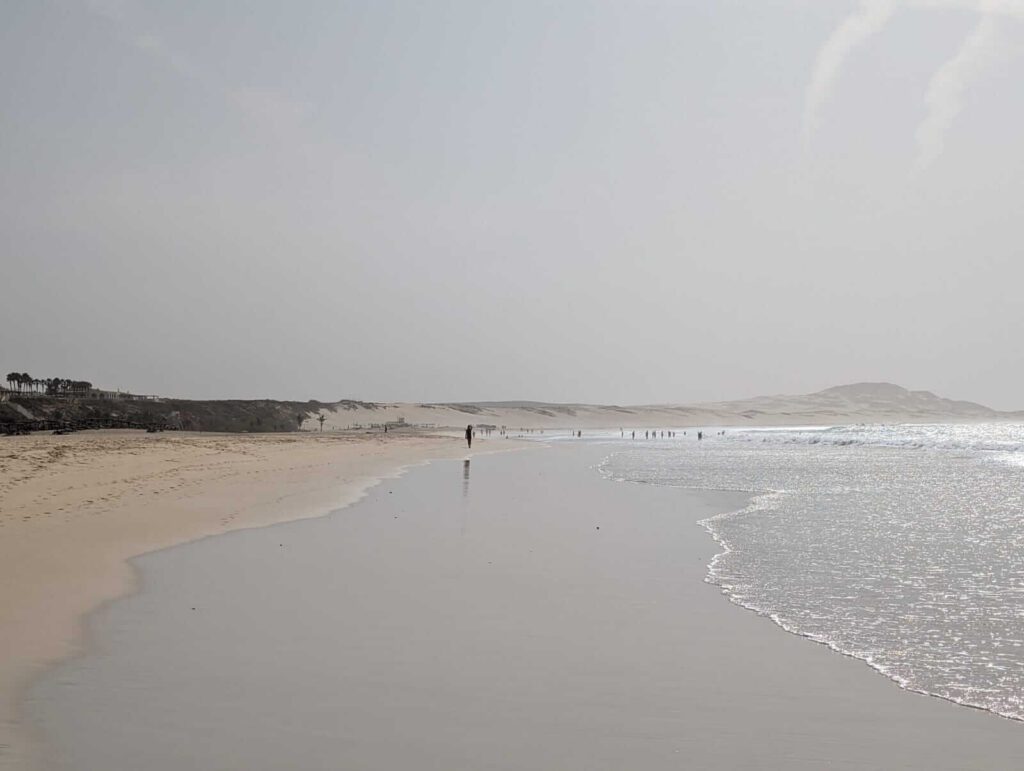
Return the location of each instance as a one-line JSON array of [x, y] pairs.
[[945, 506], [717, 577], [1008, 438]]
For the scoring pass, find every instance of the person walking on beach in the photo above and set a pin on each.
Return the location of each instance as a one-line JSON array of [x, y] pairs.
[[469, 436]]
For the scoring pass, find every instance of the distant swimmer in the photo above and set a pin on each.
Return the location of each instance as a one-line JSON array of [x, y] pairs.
[[469, 435]]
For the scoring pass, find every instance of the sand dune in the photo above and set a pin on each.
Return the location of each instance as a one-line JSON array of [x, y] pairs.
[[857, 403]]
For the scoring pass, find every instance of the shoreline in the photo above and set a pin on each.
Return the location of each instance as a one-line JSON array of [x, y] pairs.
[[448, 632], [711, 578], [78, 509]]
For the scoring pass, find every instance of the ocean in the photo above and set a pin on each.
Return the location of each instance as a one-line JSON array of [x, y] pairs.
[[900, 545]]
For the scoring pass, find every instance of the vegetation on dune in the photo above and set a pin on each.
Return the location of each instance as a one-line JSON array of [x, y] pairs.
[[24, 383], [262, 415]]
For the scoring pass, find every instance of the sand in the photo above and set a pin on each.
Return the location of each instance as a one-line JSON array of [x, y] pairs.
[[74, 509], [843, 405], [519, 612]]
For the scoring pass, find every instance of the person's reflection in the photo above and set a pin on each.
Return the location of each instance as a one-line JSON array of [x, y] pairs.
[[465, 477]]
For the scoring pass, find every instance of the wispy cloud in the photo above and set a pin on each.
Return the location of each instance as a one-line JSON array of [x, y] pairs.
[[870, 17], [944, 98], [1013, 8]]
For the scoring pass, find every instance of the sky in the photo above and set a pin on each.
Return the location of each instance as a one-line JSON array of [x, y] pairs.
[[607, 202]]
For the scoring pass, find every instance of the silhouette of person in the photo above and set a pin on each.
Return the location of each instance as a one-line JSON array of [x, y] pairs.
[[469, 435]]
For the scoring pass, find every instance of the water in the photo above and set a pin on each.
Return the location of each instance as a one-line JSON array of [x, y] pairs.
[[899, 545]]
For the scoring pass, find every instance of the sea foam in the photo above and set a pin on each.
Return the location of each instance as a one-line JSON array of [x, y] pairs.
[[898, 545]]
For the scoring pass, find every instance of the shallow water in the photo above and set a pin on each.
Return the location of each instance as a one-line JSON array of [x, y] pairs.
[[898, 545]]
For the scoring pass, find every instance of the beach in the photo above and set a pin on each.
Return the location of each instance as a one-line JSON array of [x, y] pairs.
[[74, 509], [516, 611]]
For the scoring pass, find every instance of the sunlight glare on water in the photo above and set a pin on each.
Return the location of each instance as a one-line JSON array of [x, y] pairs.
[[899, 545]]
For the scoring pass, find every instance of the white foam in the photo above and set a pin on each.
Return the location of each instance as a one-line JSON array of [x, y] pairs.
[[908, 561]]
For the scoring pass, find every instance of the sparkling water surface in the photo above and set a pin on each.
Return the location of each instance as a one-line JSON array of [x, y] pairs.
[[899, 545]]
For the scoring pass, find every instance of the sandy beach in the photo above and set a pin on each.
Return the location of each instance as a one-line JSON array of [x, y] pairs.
[[515, 612], [74, 509]]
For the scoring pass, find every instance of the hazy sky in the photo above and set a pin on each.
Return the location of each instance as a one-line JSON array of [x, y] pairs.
[[618, 202]]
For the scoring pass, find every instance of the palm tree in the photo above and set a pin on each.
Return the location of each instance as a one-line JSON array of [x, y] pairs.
[[12, 378]]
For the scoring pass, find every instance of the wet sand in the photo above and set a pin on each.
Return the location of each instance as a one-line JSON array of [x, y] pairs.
[[75, 508], [519, 612]]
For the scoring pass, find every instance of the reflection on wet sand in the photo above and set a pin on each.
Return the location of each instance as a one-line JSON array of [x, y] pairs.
[[465, 477]]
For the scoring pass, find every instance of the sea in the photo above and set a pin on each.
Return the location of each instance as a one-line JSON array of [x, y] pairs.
[[899, 545]]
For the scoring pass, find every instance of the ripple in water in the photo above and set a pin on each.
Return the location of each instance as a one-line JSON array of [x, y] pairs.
[[899, 545]]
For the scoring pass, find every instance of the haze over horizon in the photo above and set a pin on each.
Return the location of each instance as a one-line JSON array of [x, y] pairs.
[[455, 201]]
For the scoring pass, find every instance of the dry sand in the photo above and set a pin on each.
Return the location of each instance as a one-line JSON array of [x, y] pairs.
[[74, 508]]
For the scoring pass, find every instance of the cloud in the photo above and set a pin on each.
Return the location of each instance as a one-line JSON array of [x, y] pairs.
[[1012, 8], [944, 98], [856, 28]]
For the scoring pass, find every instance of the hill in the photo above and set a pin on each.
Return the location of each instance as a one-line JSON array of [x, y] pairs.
[[854, 403]]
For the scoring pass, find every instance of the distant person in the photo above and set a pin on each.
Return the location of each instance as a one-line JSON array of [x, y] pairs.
[[469, 436], [700, 435], [634, 434]]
